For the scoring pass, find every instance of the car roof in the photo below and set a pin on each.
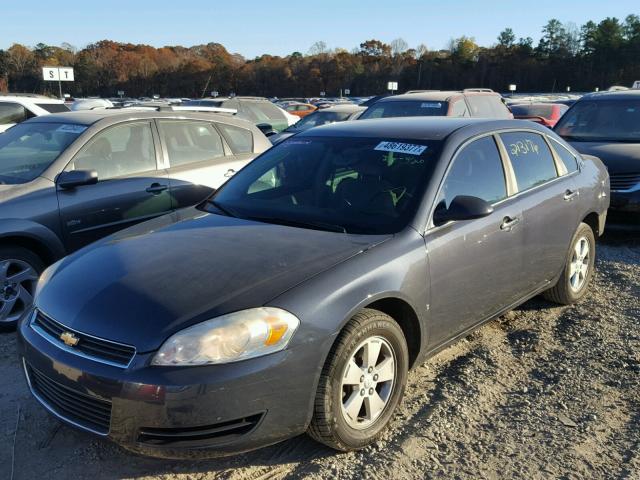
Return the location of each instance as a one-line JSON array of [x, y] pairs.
[[89, 117], [436, 95], [28, 98], [618, 95], [412, 128], [344, 108]]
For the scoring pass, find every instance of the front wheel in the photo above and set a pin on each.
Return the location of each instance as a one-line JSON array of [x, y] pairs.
[[362, 382], [19, 272], [578, 270]]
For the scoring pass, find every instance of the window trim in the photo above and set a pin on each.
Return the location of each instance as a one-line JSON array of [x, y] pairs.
[[155, 140]]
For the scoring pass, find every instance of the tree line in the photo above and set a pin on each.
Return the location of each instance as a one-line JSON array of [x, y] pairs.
[[595, 55]]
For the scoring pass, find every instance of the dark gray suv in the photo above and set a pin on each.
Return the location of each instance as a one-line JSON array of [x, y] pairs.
[[300, 294], [68, 179]]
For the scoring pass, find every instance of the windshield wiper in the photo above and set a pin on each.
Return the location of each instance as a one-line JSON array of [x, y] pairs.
[[312, 224], [224, 210]]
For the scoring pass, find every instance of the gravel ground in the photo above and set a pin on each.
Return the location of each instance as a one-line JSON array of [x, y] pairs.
[[542, 392]]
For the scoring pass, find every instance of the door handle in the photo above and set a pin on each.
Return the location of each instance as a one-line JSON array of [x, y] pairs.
[[570, 195], [156, 188], [230, 173], [508, 223]]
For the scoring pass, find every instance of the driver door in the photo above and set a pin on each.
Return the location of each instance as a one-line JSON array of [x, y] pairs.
[[131, 187], [475, 266]]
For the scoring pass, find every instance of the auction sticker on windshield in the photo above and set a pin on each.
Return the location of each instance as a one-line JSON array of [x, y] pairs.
[[71, 128], [397, 147]]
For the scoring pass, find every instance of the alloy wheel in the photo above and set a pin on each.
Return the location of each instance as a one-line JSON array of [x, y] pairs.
[[367, 382], [17, 285], [579, 266]]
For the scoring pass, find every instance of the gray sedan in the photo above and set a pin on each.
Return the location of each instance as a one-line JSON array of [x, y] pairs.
[[300, 294], [71, 178]]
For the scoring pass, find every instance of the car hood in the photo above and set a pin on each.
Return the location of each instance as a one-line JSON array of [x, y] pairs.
[[142, 285], [618, 157]]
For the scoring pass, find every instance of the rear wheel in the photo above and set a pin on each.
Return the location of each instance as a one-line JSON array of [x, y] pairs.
[[362, 382], [19, 272], [578, 271]]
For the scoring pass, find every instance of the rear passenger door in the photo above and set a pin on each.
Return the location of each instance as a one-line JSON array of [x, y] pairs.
[[197, 158], [546, 191], [131, 188]]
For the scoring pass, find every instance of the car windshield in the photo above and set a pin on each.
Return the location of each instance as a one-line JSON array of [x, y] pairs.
[[342, 184], [316, 119], [27, 149], [601, 121], [410, 108]]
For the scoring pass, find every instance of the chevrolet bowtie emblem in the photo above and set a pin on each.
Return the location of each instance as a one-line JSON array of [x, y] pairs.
[[69, 339]]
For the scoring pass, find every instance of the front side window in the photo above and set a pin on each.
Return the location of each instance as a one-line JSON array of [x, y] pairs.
[[118, 151], [27, 149], [530, 157], [601, 121], [358, 185], [12, 113], [476, 172], [190, 142], [406, 108]]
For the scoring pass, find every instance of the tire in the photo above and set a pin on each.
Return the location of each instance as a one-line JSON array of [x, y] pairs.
[[568, 291], [331, 425], [19, 272]]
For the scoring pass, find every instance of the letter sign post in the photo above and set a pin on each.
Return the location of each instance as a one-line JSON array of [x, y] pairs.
[[58, 74]]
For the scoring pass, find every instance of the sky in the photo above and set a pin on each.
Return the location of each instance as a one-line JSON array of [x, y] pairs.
[[280, 27]]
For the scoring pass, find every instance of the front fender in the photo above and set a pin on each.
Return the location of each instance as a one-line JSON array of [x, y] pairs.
[[17, 228]]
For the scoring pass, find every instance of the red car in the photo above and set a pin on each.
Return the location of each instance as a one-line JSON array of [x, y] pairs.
[[546, 114]]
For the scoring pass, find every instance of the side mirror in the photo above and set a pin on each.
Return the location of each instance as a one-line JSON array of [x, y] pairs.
[[462, 207], [267, 129], [77, 178]]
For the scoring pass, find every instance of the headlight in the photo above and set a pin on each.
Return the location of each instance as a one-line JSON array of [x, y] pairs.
[[229, 338]]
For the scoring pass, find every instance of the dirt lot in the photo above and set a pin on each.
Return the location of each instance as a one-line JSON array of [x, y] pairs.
[[543, 392]]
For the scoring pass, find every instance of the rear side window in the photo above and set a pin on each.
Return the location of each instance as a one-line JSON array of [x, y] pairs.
[[53, 107], [568, 159], [190, 142], [12, 113], [239, 139], [530, 157], [477, 171], [488, 106], [459, 109]]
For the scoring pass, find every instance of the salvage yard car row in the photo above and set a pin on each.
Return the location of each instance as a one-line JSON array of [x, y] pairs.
[[294, 291]]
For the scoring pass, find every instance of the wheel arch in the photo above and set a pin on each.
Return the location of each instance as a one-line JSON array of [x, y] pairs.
[[33, 236]]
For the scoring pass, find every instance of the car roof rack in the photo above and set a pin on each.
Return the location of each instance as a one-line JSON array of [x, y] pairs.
[[422, 91], [171, 108], [482, 90]]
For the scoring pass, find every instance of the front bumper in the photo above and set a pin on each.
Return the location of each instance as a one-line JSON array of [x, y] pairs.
[[625, 200], [175, 412]]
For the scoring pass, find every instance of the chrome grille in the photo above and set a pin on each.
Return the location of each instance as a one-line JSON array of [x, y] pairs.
[[105, 351]]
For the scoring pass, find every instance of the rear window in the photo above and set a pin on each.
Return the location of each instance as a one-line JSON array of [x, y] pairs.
[[544, 111], [601, 121], [487, 106], [409, 108], [53, 107]]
